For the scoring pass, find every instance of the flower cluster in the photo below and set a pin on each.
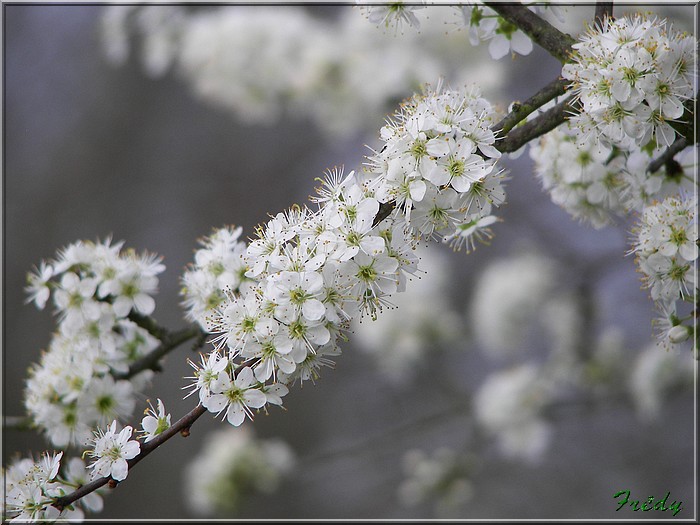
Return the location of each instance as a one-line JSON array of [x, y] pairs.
[[442, 479], [594, 182], [666, 248], [577, 176], [339, 72], [31, 487], [632, 76], [99, 293], [219, 265], [232, 466], [309, 273], [438, 161]]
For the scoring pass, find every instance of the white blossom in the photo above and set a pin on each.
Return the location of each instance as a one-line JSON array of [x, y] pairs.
[[235, 396], [155, 422], [396, 14], [111, 451], [503, 37]]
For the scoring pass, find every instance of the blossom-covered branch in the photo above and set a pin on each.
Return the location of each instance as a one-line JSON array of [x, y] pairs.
[[181, 426], [279, 305]]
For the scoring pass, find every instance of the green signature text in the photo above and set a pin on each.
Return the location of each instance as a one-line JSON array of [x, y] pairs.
[[623, 498]]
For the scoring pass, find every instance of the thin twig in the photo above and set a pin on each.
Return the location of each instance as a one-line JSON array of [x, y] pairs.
[[544, 123], [402, 429], [520, 111], [547, 36], [181, 426]]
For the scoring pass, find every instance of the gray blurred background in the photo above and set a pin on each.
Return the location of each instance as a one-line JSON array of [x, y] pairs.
[[92, 150]]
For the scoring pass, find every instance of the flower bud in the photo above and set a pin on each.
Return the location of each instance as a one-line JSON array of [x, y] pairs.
[[679, 334]]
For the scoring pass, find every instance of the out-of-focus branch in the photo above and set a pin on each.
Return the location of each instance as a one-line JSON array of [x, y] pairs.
[[17, 423], [459, 408], [603, 10], [548, 37], [182, 426], [149, 324]]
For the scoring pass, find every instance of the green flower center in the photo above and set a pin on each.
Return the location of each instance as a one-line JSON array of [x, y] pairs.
[[129, 290], [105, 404], [297, 330], [455, 167], [678, 236], [298, 296], [419, 149], [677, 273], [367, 273]]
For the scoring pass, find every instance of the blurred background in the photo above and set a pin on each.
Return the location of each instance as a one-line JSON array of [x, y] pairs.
[[112, 131]]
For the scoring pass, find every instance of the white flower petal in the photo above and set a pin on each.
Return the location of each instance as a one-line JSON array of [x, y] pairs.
[[119, 470], [236, 414], [254, 398]]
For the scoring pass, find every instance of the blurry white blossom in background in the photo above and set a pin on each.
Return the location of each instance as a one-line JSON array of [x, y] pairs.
[[338, 71], [233, 465], [440, 478], [508, 300], [508, 405]]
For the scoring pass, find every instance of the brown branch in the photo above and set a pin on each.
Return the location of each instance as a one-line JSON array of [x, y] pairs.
[[385, 209], [521, 110], [181, 426], [667, 156], [547, 36], [538, 126], [148, 324]]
